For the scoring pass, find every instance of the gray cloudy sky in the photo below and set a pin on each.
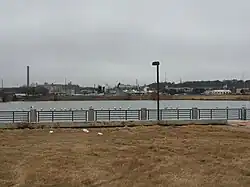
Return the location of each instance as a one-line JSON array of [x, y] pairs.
[[105, 41]]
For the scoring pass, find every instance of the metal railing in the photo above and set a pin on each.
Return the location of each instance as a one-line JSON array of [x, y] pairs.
[[248, 114], [117, 115], [14, 116], [229, 114], [123, 115], [62, 116]]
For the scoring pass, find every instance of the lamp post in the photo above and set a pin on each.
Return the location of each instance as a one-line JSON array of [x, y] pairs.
[[157, 64]]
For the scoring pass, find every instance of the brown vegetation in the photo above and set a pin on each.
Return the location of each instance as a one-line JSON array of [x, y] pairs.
[[140, 156], [206, 97]]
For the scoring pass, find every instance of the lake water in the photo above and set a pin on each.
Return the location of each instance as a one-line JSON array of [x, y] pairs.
[[46, 105]]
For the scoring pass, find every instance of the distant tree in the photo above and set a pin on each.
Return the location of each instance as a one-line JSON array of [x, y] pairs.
[[172, 92], [31, 91], [242, 91], [99, 89], [198, 90], [41, 90], [215, 84]]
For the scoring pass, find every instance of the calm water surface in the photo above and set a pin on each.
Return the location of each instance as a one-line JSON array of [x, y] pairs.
[[123, 104]]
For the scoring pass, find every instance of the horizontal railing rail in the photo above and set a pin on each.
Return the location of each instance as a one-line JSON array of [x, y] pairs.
[[123, 115]]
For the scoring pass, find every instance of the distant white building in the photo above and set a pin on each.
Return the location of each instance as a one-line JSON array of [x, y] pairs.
[[125, 86], [146, 89], [218, 92], [242, 91]]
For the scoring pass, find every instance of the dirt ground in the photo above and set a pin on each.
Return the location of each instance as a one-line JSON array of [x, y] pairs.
[[127, 157]]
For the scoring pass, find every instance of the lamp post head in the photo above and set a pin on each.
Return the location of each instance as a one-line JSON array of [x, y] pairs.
[[155, 63]]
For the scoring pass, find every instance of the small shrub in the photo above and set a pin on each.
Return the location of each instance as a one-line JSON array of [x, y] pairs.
[[23, 125]]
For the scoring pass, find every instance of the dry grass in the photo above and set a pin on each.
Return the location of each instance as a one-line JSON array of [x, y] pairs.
[[141, 156]]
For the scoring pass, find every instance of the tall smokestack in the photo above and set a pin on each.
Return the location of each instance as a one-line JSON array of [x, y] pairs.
[[28, 76]]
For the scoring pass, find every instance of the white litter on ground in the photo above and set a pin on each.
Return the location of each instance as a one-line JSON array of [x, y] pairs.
[[51, 132], [99, 133], [85, 130]]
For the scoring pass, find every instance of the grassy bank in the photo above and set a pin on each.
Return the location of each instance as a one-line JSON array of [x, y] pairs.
[[141, 156]]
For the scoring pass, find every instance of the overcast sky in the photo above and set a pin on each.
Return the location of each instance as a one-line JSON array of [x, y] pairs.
[[106, 41]]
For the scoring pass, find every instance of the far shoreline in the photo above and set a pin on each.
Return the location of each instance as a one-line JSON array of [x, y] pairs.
[[140, 98]]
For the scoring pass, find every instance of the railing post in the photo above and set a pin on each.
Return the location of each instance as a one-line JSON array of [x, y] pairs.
[[13, 117], [239, 114], [33, 116], [38, 116], [52, 114], [178, 113], [86, 115], [126, 115], [243, 113], [91, 114], [144, 114], [195, 113], [72, 115]]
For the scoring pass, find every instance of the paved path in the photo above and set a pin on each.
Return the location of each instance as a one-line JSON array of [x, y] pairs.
[[239, 123]]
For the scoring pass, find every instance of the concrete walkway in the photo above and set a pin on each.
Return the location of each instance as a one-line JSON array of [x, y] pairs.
[[239, 123], [99, 124]]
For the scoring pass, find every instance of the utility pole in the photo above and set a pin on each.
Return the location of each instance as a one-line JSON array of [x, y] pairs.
[[28, 76], [137, 85], [244, 80], [65, 84]]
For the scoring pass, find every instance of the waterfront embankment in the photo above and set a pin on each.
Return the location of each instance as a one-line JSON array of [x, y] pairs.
[[111, 124]]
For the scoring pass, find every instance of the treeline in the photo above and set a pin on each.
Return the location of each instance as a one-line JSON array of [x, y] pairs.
[[39, 90], [216, 84]]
